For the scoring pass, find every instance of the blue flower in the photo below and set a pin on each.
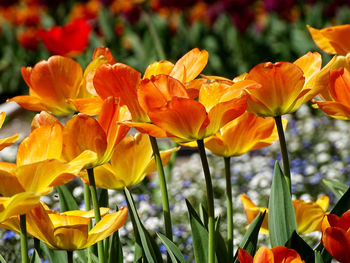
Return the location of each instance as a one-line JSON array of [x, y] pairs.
[[8, 235]]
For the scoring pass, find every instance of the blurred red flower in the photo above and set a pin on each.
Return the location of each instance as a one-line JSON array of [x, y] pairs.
[[68, 40]]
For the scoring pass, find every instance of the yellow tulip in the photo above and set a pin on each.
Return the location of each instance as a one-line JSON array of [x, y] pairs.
[[131, 161], [9, 140]]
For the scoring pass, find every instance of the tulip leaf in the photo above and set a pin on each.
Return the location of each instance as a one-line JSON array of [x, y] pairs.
[[35, 257], [151, 254], [343, 204], [337, 188], [67, 201], [82, 255], [281, 214], [2, 260], [220, 244], [137, 253], [93, 257], [174, 252], [103, 198], [199, 235], [299, 245], [250, 238], [318, 257], [53, 256], [115, 249], [203, 215]]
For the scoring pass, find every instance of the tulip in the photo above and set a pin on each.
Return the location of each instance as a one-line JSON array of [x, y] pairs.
[[335, 236], [131, 161], [9, 140], [69, 40], [309, 215], [274, 255]]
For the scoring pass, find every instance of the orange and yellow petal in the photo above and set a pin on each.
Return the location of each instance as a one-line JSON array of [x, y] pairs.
[[5, 142], [334, 109], [149, 128], [90, 106], [157, 68], [42, 143], [190, 65], [121, 81], [284, 254], [281, 87], [156, 92], [10, 184], [339, 86], [252, 211], [264, 255], [333, 39], [83, 132], [17, 204], [43, 118], [176, 120], [107, 226]]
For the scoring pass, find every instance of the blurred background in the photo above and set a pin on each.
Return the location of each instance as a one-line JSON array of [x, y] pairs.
[[237, 33]]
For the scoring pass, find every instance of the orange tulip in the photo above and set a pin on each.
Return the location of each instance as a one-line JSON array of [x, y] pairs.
[[245, 133], [168, 105], [336, 236], [274, 255], [338, 103], [309, 215], [131, 161], [9, 140], [54, 82], [332, 40], [69, 230], [284, 86]]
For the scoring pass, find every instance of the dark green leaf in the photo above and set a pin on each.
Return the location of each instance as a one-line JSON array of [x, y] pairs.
[[220, 244], [342, 205], [250, 238], [318, 257], [173, 250], [53, 256], [144, 237], [103, 198], [115, 249], [337, 188], [35, 257], [299, 245], [199, 235], [67, 201], [282, 220]]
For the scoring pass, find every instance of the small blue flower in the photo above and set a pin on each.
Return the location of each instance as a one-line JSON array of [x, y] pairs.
[[8, 235], [141, 197], [162, 249]]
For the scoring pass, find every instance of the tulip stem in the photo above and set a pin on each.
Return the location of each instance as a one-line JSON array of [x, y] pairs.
[[101, 256], [163, 189], [229, 208], [69, 256], [284, 151], [24, 238], [210, 200], [87, 199]]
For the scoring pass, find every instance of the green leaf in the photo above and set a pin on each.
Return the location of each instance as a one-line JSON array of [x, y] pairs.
[[282, 220], [148, 248], [35, 257], [250, 238], [203, 215], [199, 235], [299, 245], [93, 257], [82, 255], [2, 260], [67, 201], [103, 198], [343, 204], [337, 188], [53, 256], [220, 244], [105, 21], [318, 257], [137, 253], [115, 249], [174, 252]]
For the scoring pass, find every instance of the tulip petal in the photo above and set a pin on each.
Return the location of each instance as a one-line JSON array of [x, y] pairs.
[[8, 141], [90, 106], [336, 242], [9, 182], [165, 156], [190, 65], [157, 68], [283, 254], [334, 109], [107, 226], [332, 40], [339, 86], [176, 120], [86, 214], [148, 128], [264, 255], [244, 256], [42, 144]]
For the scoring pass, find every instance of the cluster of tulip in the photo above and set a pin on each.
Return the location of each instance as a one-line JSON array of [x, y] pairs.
[[228, 117]]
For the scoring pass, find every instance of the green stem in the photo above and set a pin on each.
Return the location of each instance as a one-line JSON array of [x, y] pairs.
[[87, 201], [210, 200], [229, 208], [69, 256], [163, 188], [284, 151], [101, 256], [156, 40], [24, 239]]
